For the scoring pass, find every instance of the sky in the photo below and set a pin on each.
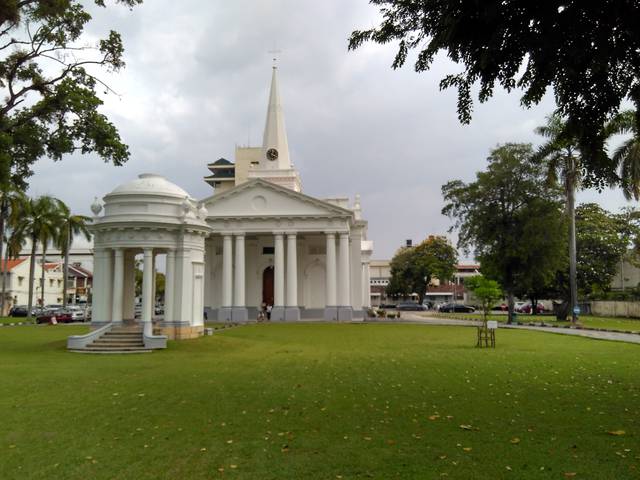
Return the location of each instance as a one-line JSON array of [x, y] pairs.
[[196, 84]]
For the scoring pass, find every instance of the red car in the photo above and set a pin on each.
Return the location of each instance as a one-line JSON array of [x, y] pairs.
[[59, 315], [527, 308]]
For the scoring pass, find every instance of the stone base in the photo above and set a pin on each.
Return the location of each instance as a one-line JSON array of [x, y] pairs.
[[278, 314], [225, 314], [331, 314], [179, 332], [239, 314], [292, 314], [345, 314]]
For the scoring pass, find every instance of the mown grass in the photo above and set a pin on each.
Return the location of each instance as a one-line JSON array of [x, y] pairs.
[[10, 320], [321, 401], [588, 321]]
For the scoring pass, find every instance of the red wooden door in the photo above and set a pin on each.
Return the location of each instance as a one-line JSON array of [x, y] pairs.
[[267, 286]]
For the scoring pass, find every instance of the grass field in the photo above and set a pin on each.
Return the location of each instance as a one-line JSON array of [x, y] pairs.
[[321, 401], [589, 321]]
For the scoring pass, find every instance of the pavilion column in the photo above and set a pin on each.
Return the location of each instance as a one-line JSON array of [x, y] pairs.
[[278, 311], [147, 291], [330, 309], [99, 292], [225, 313], [292, 310], [239, 312], [345, 311], [108, 284], [169, 286], [118, 286]]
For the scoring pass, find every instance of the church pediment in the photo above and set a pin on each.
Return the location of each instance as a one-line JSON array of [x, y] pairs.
[[260, 198]]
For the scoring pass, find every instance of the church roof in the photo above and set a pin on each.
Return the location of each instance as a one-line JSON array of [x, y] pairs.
[[257, 183]]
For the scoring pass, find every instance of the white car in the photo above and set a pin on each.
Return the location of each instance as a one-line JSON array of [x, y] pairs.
[[77, 313]]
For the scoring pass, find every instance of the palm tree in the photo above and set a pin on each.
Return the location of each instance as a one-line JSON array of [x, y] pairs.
[[38, 222], [627, 156], [563, 164], [72, 225], [11, 201]]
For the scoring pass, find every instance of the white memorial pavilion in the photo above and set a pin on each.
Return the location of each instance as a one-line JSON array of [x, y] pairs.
[[257, 240]]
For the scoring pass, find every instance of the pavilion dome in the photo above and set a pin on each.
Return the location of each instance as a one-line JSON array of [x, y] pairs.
[[150, 184]]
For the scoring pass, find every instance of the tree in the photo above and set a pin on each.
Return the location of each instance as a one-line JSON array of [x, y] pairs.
[[71, 226], [627, 155], [10, 201], [48, 87], [602, 240], [562, 158], [413, 268], [38, 221], [510, 217], [486, 290], [586, 52]]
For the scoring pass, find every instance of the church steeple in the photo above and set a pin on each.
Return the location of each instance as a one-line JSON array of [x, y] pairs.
[[275, 148]]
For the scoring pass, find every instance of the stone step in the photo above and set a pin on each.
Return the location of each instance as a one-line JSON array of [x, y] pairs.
[[111, 350], [116, 344], [123, 335]]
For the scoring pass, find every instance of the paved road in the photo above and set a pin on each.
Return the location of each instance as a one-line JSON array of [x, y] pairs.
[[614, 336]]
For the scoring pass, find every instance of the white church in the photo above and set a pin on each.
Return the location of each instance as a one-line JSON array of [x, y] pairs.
[[257, 240]]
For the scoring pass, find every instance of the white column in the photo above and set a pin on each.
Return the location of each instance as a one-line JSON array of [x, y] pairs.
[[98, 291], [292, 271], [227, 273], [169, 286], [118, 286], [344, 299], [147, 289], [108, 284], [278, 293], [239, 287], [331, 270]]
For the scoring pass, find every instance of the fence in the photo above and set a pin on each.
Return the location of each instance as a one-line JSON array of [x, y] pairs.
[[615, 309]]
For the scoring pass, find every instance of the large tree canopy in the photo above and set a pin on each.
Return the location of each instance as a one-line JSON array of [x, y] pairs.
[[511, 218], [49, 105], [588, 53], [412, 268]]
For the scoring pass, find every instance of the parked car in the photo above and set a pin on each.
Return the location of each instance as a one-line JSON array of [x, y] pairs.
[[456, 307], [503, 307], [387, 305], [526, 308], [411, 306], [61, 316], [18, 311], [77, 313]]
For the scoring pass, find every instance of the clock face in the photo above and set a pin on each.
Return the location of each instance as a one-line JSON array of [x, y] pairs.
[[272, 154]]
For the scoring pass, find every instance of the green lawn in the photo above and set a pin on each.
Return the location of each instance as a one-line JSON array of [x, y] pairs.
[[589, 321], [321, 401], [8, 320]]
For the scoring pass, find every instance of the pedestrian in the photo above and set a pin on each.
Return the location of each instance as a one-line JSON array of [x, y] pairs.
[[269, 307]]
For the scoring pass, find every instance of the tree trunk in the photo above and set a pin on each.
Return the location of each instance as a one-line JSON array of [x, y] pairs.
[[3, 210], [534, 306], [32, 273], [67, 246], [511, 303], [44, 251], [571, 212], [4, 273]]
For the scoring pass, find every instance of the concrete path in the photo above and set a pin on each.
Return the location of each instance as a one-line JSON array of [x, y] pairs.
[[594, 334]]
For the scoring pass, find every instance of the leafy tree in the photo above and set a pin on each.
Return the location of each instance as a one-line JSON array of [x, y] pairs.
[[602, 241], [48, 86], [627, 155], [510, 217], [486, 290], [38, 221], [587, 53], [413, 268], [70, 227]]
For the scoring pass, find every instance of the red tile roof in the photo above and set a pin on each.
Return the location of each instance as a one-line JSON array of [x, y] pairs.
[[11, 264]]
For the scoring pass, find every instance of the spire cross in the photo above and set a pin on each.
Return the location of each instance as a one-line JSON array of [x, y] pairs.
[[275, 53]]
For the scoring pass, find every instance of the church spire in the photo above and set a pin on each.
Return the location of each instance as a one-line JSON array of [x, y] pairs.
[[275, 148]]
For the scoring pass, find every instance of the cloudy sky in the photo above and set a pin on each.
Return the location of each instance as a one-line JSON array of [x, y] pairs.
[[196, 85]]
